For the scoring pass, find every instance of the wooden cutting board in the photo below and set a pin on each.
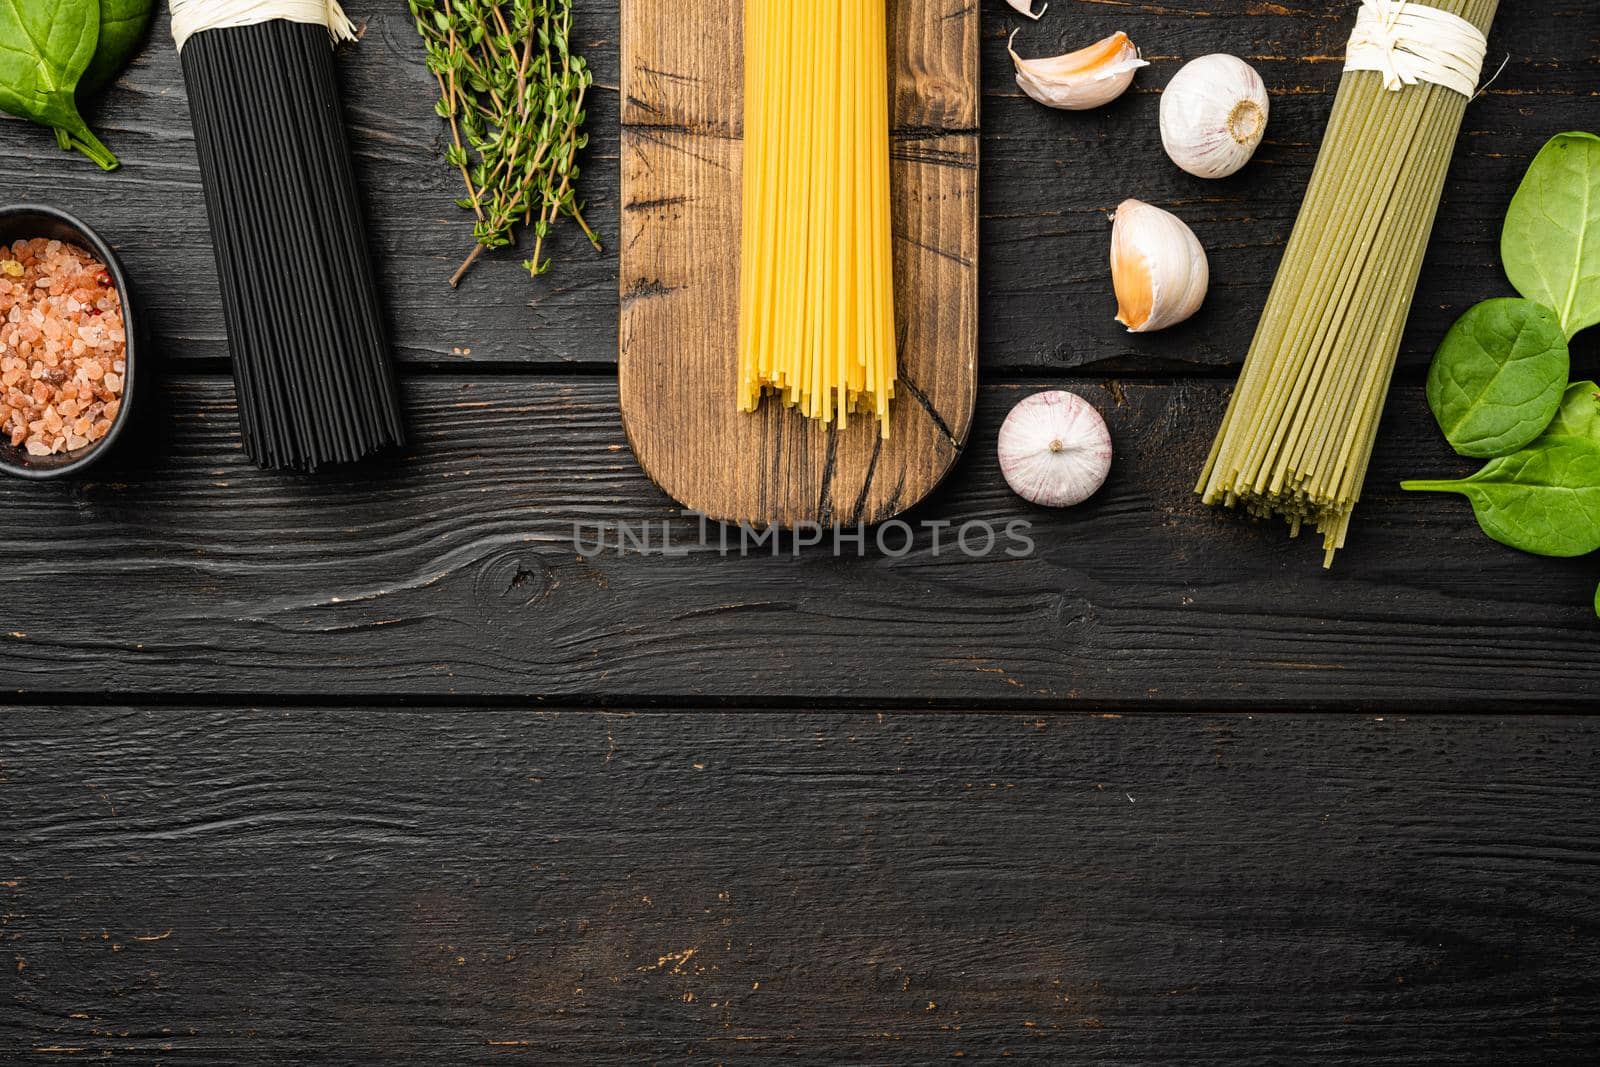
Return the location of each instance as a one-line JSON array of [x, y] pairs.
[[682, 77]]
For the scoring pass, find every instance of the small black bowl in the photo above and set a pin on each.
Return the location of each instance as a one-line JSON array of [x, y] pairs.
[[20, 222]]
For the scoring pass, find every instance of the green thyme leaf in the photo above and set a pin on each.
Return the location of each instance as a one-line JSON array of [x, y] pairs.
[[513, 97]]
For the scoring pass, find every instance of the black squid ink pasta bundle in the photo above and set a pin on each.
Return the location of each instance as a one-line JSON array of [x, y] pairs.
[[311, 363]]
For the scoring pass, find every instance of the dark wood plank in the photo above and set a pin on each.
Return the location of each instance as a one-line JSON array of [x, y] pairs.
[[682, 165], [153, 211], [321, 886], [1052, 178], [457, 571], [1049, 179]]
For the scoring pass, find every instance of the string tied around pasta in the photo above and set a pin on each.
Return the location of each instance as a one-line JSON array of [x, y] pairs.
[[1408, 43], [189, 17]]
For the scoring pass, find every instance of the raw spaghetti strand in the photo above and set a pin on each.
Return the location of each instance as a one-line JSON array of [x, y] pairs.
[[816, 274], [1298, 433]]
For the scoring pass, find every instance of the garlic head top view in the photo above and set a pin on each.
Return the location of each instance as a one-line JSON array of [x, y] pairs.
[[1083, 79], [1158, 268], [1213, 115], [1055, 449]]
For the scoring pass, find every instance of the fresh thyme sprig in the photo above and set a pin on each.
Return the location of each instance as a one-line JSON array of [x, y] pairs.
[[512, 92]]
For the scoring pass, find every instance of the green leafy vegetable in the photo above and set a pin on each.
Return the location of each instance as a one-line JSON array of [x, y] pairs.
[[122, 28], [1544, 499], [44, 49], [1498, 378], [1492, 379], [1579, 414], [1551, 242], [512, 93]]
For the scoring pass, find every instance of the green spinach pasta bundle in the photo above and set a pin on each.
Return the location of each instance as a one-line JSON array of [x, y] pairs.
[[1299, 430]]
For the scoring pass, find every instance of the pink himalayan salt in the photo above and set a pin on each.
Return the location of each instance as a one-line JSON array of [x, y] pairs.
[[60, 330]]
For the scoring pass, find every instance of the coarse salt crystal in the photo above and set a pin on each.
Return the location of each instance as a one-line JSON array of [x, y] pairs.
[[60, 329]]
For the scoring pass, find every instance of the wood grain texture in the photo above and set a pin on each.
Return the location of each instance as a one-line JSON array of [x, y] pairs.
[[458, 572], [1048, 180], [682, 92], [1052, 178], [224, 886], [152, 209], [219, 884]]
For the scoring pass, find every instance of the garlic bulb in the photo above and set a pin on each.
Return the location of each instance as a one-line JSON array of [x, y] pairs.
[[1026, 7], [1083, 79], [1213, 115], [1055, 449], [1158, 268]]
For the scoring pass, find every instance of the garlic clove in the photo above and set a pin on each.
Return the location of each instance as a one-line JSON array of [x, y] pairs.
[[1213, 115], [1158, 268], [1079, 80], [1025, 7], [1055, 449]]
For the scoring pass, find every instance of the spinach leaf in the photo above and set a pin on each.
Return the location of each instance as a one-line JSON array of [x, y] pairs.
[[44, 50], [1544, 499], [1551, 241], [1579, 414], [122, 27], [1497, 379]]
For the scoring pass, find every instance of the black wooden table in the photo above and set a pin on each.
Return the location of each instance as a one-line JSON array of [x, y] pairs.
[[376, 766]]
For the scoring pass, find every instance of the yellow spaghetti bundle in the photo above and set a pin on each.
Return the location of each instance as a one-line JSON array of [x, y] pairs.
[[816, 281]]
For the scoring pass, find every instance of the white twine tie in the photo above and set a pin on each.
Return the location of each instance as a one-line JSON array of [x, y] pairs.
[[189, 17], [1409, 43]]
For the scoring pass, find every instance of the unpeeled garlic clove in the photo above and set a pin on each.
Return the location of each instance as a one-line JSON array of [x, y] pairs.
[[1158, 268], [1213, 115], [1080, 80], [1025, 7], [1054, 449]]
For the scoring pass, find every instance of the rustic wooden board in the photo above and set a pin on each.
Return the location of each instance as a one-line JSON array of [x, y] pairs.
[[682, 72], [456, 573], [232, 886]]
